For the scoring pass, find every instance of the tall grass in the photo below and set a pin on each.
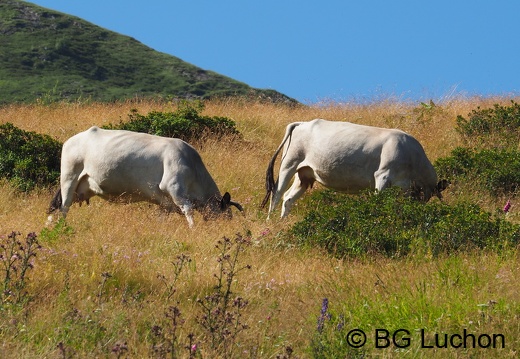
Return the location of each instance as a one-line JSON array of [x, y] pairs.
[[103, 280]]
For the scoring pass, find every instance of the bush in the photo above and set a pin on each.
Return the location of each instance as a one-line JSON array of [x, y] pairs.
[[185, 123], [495, 170], [28, 159], [492, 159], [390, 224], [497, 127]]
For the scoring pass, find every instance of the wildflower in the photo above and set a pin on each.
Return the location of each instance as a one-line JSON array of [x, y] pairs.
[[157, 330], [341, 323], [119, 349], [507, 207], [323, 314], [194, 348], [324, 306]]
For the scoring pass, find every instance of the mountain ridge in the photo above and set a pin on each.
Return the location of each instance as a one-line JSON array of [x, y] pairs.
[[52, 55]]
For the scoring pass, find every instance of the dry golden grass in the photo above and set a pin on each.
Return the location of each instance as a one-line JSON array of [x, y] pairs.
[[135, 242]]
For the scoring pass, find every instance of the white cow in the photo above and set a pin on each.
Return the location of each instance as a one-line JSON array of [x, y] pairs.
[[348, 157], [131, 166]]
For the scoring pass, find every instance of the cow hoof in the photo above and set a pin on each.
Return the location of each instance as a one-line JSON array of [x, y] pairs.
[[49, 221]]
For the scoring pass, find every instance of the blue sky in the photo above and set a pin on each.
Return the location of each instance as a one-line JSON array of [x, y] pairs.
[[330, 50]]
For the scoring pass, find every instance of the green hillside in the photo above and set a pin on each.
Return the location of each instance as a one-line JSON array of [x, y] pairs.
[[51, 55]]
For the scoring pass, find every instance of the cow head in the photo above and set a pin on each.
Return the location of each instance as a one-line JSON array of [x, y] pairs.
[[221, 206], [441, 186]]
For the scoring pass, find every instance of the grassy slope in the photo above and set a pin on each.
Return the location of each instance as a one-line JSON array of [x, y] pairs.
[[50, 55], [285, 287]]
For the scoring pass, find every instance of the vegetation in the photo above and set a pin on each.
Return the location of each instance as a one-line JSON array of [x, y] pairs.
[[491, 156], [185, 123], [51, 56], [494, 170], [124, 280], [390, 224], [497, 127], [16, 257], [28, 159]]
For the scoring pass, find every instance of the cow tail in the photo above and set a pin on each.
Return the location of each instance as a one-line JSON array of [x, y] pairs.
[[56, 202], [269, 175]]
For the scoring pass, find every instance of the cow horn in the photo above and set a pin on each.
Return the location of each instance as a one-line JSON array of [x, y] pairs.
[[226, 201], [237, 205]]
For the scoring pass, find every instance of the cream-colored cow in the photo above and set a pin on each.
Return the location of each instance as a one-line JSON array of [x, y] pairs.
[[131, 166], [348, 157]]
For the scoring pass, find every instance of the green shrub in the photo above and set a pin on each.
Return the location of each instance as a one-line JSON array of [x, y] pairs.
[[491, 160], [495, 170], [28, 159], [390, 224], [185, 123], [495, 127]]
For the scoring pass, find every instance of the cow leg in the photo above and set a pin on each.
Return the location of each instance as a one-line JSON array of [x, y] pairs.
[[303, 180], [383, 179], [65, 196], [186, 208], [180, 199], [281, 185], [188, 212], [68, 191], [386, 178]]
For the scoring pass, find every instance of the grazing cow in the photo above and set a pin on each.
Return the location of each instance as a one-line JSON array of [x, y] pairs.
[[348, 157], [131, 166]]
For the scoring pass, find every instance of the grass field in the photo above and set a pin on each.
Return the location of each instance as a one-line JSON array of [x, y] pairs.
[[112, 283]]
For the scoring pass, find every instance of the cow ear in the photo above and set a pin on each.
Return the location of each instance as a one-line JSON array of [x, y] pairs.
[[225, 201], [442, 185]]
